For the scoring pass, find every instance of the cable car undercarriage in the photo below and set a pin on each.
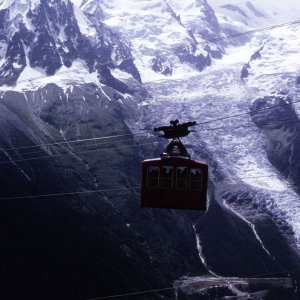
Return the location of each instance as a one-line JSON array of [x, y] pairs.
[[174, 180]]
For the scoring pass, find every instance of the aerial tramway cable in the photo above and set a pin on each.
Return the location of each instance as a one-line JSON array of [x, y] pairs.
[[129, 57], [143, 133], [73, 141], [75, 153], [102, 190], [96, 139], [70, 193], [113, 148], [268, 28], [201, 123], [190, 285], [40, 151], [247, 113]]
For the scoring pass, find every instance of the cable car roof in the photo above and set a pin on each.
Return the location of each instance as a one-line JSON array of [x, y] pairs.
[[174, 159]]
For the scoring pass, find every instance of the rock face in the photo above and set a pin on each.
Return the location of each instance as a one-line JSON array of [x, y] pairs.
[[245, 71], [280, 124], [161, 65], [15, 61]]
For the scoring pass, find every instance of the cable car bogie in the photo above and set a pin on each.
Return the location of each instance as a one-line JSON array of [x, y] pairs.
[[174, 180]]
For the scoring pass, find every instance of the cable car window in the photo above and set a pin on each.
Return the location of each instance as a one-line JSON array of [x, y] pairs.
[[181, 177], [166, 176], [153, 177], [196, 179]]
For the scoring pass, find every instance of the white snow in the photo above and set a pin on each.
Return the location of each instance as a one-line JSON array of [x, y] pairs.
[[191, 15], [271, 71], [103, 92], [77, 3], [3, 48], [62, 35], [252, 227], [200, 253], [34, 3], [34, 78], [17, 11], [119, 74], [151, 29], [17, 8], [17, 66], [84, 24], [4, 4], [15, 164], [280, 11]]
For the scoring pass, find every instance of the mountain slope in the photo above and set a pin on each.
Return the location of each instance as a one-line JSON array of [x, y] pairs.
[[163, 39], [44, 36], [86, 60], [78, 246], [244, 153]]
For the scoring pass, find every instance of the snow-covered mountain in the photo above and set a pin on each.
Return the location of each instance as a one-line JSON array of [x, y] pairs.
[[253, 159], [165, 36], [276, 11], [41, 38], [239, 18], [75, 70]]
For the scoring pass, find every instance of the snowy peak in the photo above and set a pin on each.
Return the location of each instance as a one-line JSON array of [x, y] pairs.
[[198, 17], [235, 18], [279, 55], [253, 9], [165, 36], [279, 11], [45, 36], [246, 13], [92, 8]]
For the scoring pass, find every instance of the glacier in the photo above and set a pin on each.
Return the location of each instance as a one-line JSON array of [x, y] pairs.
[[238, 150]]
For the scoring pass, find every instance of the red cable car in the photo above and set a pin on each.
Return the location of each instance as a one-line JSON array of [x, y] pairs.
[[174, 180]]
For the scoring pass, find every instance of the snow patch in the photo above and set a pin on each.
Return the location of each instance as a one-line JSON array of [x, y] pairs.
[[252, 226], [4, 4], [199, 248], [152, 28], [3, 48], [77, 3], [271, 72], [84, 24], [119, 74], [33, 78], [17, 65], [103, 92], [19, 168]]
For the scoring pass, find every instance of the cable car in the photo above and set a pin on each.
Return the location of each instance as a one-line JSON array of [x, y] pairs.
[[174, 180]]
